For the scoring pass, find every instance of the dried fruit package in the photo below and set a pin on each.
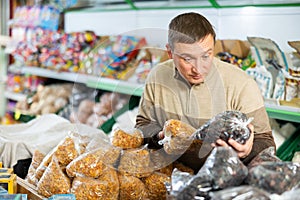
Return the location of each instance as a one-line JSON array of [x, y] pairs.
[[37, 159], [275, 177], [132, 188], [156, 185], [127, 139], [224, 167], [72, 146], [67, 150], [177, 136], [267, 154], [136, 162], [105, 187], [54, 180], [93, 163], [225, 125]]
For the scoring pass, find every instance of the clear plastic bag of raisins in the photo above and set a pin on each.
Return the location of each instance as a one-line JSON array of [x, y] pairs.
[[228, 124]]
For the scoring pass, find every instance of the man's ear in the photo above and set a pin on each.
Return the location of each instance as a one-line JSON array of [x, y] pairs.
[[169, 51]]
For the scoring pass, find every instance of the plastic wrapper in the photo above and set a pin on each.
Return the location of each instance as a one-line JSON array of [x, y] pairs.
[[161, 161], [267, 155], [132, 188], [135, 162], [93, 163], [71, 147], [183, 168], [42, 167], [186, 186], [177, 136], [244, 192], [54, 180], [225, 125], [224, 167], [275, 177], [127, 139], [288, 195], [37, 159], [156, 185], [105, 187]]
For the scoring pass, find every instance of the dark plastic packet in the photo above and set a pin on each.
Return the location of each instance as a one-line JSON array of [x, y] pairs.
[[225, 125]]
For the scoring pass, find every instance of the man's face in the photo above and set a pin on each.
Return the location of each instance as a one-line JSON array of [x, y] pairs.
[[194, 61]]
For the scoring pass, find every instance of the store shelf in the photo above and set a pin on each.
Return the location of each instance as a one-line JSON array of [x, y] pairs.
[[14, 96], [108, 84], [118, 86], [287, 113], [66, 76]]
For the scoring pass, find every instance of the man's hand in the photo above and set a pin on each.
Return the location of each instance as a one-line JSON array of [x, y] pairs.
[[160, 135], [243, 150]]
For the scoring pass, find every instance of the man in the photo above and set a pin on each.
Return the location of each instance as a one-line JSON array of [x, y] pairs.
[[194, 86]]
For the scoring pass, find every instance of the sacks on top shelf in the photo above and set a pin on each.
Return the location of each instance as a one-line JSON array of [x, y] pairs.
[[274, 70]]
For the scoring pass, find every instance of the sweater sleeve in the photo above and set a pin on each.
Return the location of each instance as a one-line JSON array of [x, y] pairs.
[[261, 142], [146, 120], [263, 137]]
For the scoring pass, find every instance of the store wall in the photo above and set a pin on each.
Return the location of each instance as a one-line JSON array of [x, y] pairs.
[[280, 24]]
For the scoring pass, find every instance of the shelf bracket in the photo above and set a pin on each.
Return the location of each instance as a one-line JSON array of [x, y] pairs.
[[129, 2], [214, 3]]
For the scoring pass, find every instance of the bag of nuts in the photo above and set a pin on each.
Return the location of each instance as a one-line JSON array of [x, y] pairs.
[[131, 188], [127, 139], [135, 162], [37, 159], [155, 184], [177, 136], [104, 187], [54, 180]]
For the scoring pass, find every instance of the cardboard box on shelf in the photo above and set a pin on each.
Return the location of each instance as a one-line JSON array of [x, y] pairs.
[[238, 48]]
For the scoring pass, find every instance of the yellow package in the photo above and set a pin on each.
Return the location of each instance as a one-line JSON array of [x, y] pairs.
[[6, 170], [9, 182]]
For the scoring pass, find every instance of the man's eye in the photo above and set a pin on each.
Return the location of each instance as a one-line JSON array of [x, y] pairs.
[[187, 59], [205, 57]]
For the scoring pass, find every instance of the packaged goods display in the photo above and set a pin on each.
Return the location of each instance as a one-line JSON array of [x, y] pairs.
[[225, 125], [95, 113], [45, 16], [111, 54], [47, 99]]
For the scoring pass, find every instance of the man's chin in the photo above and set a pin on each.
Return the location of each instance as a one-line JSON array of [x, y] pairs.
[[196, 81]]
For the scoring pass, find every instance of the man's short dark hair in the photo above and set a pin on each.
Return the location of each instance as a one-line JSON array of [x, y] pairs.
[[189, 28]]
